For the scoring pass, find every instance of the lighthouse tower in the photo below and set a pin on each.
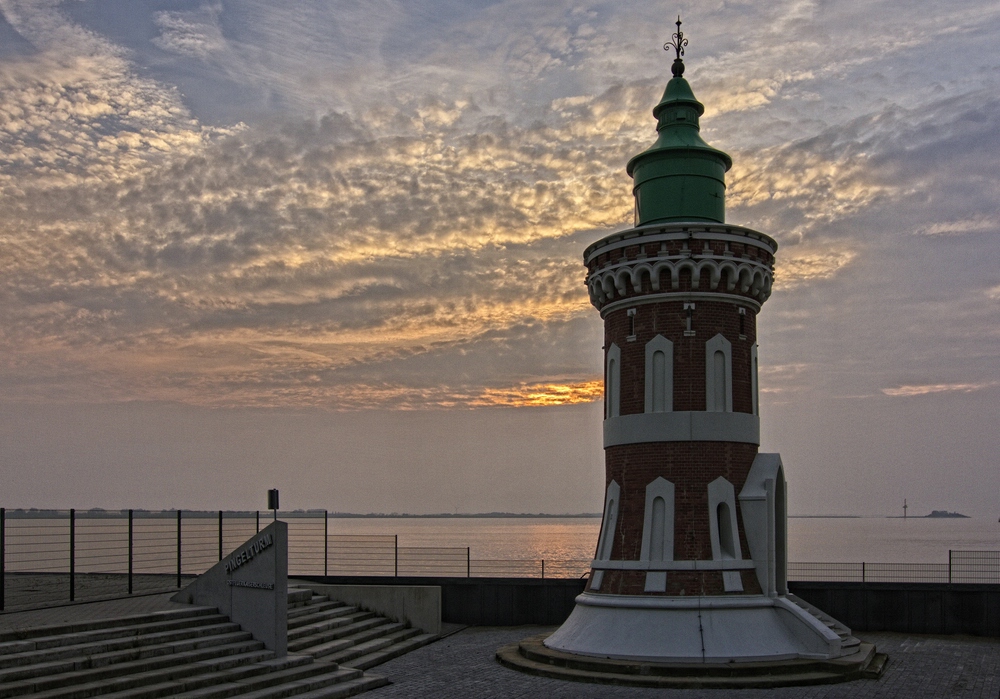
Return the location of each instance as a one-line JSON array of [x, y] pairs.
[[690, 564]]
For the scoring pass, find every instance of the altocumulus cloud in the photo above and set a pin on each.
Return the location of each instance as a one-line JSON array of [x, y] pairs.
[[419, 249]]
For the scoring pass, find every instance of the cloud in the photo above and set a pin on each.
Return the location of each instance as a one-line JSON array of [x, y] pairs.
[[978, 225], [924, 389]]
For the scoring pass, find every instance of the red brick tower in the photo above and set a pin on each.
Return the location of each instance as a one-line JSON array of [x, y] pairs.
[[690, 562]]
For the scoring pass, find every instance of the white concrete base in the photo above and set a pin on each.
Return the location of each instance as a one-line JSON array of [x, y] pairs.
[[693, 629]]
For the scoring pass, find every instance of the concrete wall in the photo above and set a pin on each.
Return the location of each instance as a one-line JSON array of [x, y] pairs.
[[903, 607], [416, 605], [908, 607]]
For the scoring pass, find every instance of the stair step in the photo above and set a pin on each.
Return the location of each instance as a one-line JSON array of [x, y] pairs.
[[298, 595], [347, 689], [284, 683], [320, 615], [94, 624], [112, 632], [127, 645], [337, 632], [161, 682], [314, 608], [72, 683], [394, 651], [374, 631], [334, 621], [364, 647], [221, 681]]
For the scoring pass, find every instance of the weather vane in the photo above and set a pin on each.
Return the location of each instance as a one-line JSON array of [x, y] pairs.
[[677, 43]]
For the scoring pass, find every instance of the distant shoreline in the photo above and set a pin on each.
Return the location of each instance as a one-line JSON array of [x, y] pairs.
[[477, 515]]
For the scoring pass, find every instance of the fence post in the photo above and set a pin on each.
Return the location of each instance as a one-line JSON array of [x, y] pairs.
[[258, 521], [178, 548], [3, 553], [543, 569], [72, 555], [220, 535], [395, 556], [326, 541], [863, 579], [130, 549], [468, 562], [949, 566]]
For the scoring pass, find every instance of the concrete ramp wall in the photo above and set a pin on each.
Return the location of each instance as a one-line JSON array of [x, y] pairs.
[[250, 586]]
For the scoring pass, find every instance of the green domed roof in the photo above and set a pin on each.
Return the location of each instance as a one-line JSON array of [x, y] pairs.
[[679, 177]]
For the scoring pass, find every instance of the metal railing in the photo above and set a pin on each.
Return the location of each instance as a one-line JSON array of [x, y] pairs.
[[53, 556]]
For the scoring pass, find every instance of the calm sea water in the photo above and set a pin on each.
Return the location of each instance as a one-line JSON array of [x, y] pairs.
[[835, 540]]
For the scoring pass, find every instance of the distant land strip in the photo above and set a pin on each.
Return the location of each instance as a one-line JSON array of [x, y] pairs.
[[474, 515]]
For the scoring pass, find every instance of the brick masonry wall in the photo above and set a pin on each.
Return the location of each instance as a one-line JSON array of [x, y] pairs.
[[690, 466], [669, 319]]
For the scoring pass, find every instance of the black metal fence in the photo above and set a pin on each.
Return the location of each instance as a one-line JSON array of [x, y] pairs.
[[52, 556]]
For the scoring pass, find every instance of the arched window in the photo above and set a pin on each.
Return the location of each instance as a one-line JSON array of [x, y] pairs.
[[723, 530], [659, 375], [606, 540], [612, 382], [718, 375], [658, 531]]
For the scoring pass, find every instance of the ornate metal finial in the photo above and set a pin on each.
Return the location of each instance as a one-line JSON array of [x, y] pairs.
[[677, 43]]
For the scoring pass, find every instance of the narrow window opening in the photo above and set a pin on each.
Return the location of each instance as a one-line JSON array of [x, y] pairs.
[[743, 325], [719, 360], [659, 383], [631, 325], [725, 525], [612, 388], [656, 536]]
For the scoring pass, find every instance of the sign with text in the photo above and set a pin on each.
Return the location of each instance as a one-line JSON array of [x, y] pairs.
[[250, 586]]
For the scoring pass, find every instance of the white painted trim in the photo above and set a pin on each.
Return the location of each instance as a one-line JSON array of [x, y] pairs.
[[606, 540], [713, 378], [741, 301], [659, 488], [728, 564], [665, 346], [753, 379], [682, 426], [748, 276], [757, 504], [722, 493], [613, 382]]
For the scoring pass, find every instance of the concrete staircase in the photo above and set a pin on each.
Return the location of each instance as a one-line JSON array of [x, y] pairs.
[[848, 643], [333, 631], [191, 653]]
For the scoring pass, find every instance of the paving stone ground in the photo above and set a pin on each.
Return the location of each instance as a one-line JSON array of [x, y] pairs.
[[463, 666]]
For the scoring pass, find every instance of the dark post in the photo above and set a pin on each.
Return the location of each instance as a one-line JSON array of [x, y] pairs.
[[326, 541], [72, 555], [3, 553], [272, 502], [543, 569], [949, 566], [178, 548], [220, 535], [130, 549], [468, 562], [258, 521], [395, 556]]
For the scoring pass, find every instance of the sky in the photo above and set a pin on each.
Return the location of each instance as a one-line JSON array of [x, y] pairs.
[[336, 247]]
